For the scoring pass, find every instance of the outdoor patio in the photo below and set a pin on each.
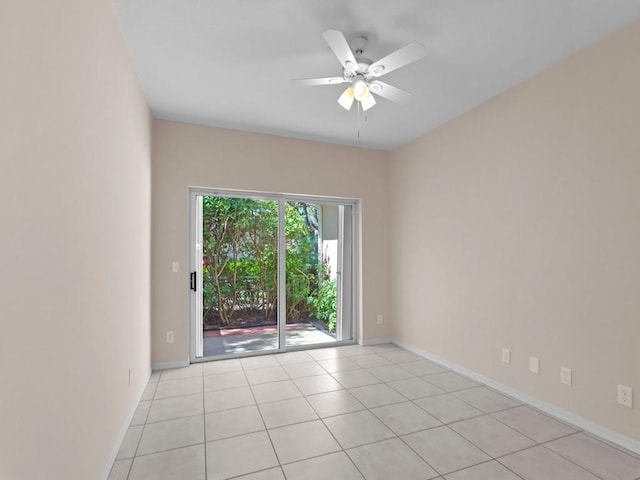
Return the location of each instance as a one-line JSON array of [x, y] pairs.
[[251, 339]]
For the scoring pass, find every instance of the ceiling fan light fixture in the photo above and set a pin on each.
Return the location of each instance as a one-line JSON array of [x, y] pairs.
[[346, 99], [360, 89], [367, 102]]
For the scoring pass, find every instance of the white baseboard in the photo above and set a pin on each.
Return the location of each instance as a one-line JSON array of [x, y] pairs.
[[165, 365], [580, 422], [123, 431], [375, 341]]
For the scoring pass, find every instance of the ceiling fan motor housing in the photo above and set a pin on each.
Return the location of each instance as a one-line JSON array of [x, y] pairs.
[[358, 44], [362, 68]]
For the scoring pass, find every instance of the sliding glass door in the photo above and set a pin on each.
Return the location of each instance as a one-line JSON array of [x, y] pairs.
[[270, 273]]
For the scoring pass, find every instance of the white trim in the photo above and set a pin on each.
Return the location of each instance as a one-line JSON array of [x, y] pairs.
[[356, 272], [339, 271], [281, 293], [258, 195], [576, 420], [193, 221], [197, 299], [123, 431], [165, 365], [377, 341]]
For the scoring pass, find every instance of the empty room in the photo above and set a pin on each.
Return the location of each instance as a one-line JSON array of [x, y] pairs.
[[299, 240]]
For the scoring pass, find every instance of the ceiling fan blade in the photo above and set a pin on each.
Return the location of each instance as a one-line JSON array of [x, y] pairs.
[[389, 92], [341, 49], [310, 82], [401, 57]]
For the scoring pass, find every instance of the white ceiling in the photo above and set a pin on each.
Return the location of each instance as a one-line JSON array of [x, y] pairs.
[[229, 63]]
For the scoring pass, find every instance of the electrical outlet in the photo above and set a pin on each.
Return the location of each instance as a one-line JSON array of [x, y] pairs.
[[625, 396], [170, 336], [379, 319], [565, 376], [175, 267], [506, 355], [534, 365]]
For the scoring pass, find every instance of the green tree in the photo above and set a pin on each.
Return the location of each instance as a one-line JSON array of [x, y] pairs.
[[240, 238]]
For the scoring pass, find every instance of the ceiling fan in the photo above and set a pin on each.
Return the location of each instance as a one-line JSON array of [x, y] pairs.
[[362, 74]]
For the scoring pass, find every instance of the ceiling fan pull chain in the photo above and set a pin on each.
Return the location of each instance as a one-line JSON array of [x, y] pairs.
[[358, 119]]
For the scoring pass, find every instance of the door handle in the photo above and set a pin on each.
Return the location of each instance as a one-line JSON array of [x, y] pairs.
[[192, 282]]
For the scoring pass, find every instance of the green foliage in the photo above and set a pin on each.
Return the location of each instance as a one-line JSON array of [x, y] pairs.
[[301, 259], [240, 248], [324, 303], [239, 254]]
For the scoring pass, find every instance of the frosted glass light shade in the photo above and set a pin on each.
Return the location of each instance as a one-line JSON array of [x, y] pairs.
[[346, 99], [367, 102], [360, 89]]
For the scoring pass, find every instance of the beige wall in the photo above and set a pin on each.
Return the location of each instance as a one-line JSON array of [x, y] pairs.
[[74, 238], [518, 225], [187, 155]]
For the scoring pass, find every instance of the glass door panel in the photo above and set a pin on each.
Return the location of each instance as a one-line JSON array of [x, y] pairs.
[[315, 272], [239, 275]]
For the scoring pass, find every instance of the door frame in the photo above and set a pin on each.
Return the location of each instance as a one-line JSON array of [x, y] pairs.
[[282, 198]]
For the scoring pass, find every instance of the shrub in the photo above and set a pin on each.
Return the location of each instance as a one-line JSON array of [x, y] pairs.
[[324, 303]]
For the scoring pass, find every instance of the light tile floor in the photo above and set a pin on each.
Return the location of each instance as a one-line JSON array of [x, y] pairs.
[[352, 412]]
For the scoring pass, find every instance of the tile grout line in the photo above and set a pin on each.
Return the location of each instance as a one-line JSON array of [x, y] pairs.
[[507, 468], [418, 455], [172, 449], [143, 425], [483, 463], [569, 460], [182, 417], [522, 433], [342, 449], [273, 447], [235, 477], [610, 444]]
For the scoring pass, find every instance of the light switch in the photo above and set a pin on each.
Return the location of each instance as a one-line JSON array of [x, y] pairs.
[[175, 267]]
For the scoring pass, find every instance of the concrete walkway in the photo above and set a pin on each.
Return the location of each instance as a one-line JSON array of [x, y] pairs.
[[251, 339]]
